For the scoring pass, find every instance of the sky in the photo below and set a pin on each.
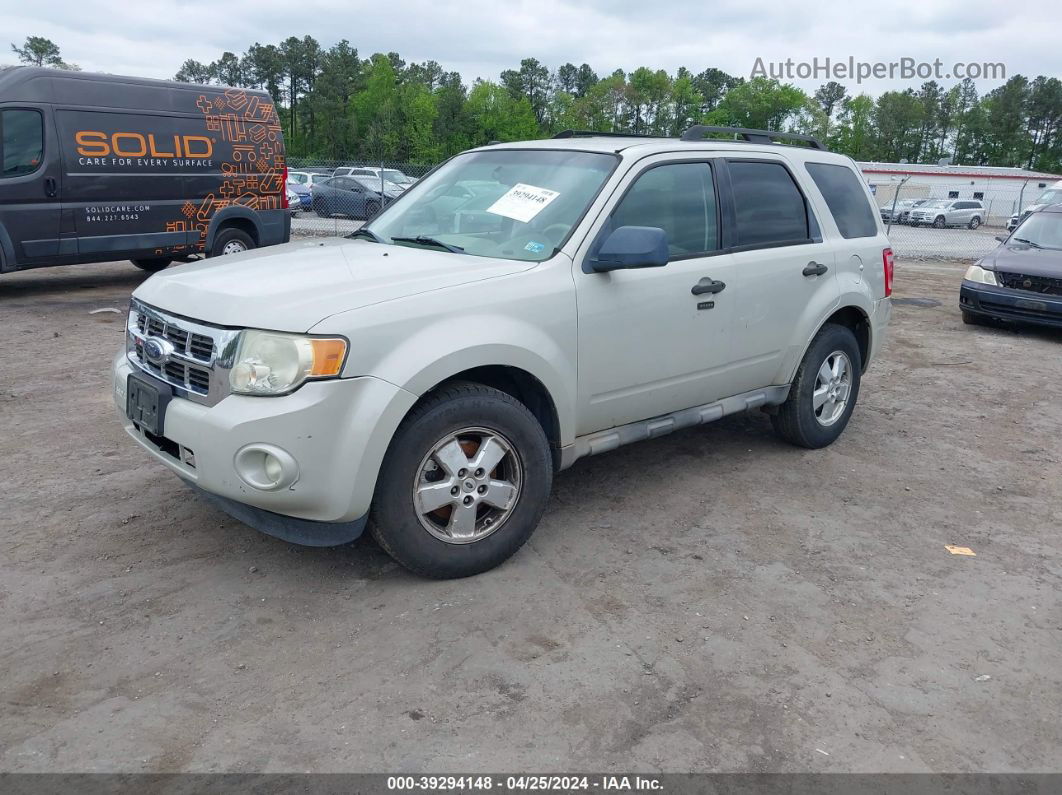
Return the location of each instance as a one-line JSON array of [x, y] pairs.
[[480, 38]]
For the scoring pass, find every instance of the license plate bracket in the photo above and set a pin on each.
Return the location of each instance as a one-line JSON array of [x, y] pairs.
[[145, 404]]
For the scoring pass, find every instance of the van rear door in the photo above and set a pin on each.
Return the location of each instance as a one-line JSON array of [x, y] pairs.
[[29, 185]]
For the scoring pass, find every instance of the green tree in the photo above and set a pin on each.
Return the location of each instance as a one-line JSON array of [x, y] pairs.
[[760, 103], [829, 96], [192, 71], [497, 116], [39, 51]]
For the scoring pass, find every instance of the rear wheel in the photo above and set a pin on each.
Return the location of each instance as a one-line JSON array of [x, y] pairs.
[[464, 482], [824, 392], [975, 222], [152, 264], [231, 241]]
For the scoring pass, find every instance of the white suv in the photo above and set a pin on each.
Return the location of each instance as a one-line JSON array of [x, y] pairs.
[[523, 306]]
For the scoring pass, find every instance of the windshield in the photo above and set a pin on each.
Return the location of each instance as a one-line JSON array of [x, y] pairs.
[[510, 203], [1040, 229], [1053, 196]]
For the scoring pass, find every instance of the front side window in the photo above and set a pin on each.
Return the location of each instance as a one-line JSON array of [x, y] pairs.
[[770, 208], [678, 198], [845, 197], [518, 204], [21, 142]]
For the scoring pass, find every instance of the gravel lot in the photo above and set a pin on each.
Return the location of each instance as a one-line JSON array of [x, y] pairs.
[[712, 600]]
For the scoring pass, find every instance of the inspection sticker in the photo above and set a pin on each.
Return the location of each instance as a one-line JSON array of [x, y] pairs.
[[523, 202]]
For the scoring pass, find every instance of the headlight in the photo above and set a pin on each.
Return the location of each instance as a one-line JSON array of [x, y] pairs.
[[271, 363], [975, 273]]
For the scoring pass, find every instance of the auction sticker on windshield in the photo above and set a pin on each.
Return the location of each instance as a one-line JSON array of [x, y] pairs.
[[523, 202]]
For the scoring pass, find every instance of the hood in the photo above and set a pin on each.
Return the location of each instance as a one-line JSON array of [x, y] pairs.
[[294, 286], [1016, 258]]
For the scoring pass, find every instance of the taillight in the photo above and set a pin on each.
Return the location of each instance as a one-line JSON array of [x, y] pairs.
[[284, 191], [888, 262]]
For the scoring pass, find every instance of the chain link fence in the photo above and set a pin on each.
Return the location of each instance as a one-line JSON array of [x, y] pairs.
[[337, 196], [951, 219], [926, 219]]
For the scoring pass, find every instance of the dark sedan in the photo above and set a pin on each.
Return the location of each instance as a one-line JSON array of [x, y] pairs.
[[346, 196], [1020, 281]]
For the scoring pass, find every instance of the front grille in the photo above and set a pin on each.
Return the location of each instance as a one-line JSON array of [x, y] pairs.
[[1045, 285], [196, 357]]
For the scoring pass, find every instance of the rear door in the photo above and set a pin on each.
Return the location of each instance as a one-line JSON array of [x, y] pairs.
[[785, 269], [30, 184]]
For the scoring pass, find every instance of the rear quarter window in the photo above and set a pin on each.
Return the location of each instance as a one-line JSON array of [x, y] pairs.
[[844, 195]]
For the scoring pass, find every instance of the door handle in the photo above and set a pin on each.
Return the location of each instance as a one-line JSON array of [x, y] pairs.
[[814, 269], [50, 188], [708, 285]]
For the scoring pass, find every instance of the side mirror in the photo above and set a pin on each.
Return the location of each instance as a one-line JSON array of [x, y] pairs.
[[1002, 238], [632, 247]]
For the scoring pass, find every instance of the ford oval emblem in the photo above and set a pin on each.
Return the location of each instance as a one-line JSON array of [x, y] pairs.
[[157, 350]]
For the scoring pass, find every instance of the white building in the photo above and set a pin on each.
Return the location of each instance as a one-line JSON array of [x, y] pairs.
[[1003, 190]]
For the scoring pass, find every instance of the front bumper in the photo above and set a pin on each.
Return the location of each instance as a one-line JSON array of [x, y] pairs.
[[336, 431], [1015, 305]]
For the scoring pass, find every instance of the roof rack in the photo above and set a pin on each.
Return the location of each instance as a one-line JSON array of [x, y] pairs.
[[592, 134], [698, 131]]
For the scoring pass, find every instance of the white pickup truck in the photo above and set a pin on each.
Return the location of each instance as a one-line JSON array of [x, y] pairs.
[[522, 306]]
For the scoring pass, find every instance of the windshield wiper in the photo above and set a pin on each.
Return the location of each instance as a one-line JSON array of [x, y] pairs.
[[423, 240], [1027, 242], [363, 232]]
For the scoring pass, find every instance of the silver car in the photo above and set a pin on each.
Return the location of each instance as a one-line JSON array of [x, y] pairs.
[[949, 212]]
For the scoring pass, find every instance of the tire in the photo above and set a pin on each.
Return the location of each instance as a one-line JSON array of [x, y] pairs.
[[970, 319], [939, 222], [231, 241], [152, 264], [461, 416], [798, 421], [371, 208], [975, 222], [318, 207]]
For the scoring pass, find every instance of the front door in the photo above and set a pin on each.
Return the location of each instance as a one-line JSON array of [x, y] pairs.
[[648, 345], [29, 184]]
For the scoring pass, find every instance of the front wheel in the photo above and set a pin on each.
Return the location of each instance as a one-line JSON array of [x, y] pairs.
[[231, 241], [371, 208], [464, 482], [939, 222], [824, 391]]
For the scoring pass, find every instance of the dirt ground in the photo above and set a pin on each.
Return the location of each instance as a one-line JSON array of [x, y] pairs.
[[712, 600]]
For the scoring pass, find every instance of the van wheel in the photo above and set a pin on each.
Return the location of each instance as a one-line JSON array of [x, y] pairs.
[[975, 222], [938, 222], [464, 482], [231, 241], [153, 264], [824, 391]]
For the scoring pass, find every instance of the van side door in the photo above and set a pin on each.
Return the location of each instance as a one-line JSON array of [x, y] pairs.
[[30, 183]]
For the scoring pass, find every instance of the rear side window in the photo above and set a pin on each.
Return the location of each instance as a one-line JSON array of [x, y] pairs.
[[21, 142], [678, 198], [769, 207], [845, 197]]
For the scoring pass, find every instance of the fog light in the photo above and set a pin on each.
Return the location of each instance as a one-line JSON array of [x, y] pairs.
[[266, 467]]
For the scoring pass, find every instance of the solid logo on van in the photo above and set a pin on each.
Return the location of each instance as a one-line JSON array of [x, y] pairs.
[[93, 143]]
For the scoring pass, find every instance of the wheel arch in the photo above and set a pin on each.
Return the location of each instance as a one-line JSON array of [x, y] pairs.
[[236, 217], [521, 385], [855, 318]]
